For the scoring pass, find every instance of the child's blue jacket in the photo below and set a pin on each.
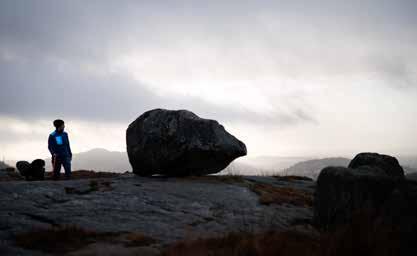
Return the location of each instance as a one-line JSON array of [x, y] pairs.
[[58, 143]]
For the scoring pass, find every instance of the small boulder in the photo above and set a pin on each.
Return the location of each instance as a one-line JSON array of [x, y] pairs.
[[32, 171], [23, 167], [388, 164], [178, 143], [38, 169]]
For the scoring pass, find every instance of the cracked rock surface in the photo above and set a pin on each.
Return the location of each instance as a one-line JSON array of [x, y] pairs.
[[166, 209]]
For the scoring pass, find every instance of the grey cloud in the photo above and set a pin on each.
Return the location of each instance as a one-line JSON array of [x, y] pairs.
[[36, 89], [397, 71], [87, 32], [39, 89], [86, 28], [10, 137], [52, 39]]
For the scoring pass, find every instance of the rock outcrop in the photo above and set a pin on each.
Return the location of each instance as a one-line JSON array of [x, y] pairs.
[[366, 184], [167, 209], [179, 143], [372, 192], [343, 191]]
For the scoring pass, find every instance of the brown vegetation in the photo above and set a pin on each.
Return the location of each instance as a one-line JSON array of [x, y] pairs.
[[58, 239], [85, 174], [361, 237], [94, 185], [269, 194], [215, 178], [79, 174], [70, 238], [365, 235], [248, 244], [12, 175], [139, 239], [292, 178]]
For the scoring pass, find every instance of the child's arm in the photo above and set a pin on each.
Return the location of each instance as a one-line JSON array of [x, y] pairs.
[[69, 148], [51, 145]]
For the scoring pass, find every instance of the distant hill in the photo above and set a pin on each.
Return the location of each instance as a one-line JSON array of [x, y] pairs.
[[239, 168], [312, 168], [98, 160], [409, 162], [409, 170], [267, 164], [261, 165], [412, 176], [3, 165]]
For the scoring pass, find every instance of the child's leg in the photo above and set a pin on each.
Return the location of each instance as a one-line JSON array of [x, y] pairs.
[[56, 165], [67, 167]]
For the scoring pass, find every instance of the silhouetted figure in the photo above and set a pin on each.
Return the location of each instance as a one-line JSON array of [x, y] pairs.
[[58, 145], [32, 171]]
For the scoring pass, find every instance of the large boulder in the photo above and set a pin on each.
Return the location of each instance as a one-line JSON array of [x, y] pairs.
[[400, 211], [368, 204], [341, 192], [365, 185], [386, 163], [178, 143]]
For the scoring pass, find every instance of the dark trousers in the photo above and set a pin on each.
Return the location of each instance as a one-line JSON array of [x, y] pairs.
[[59, 161]]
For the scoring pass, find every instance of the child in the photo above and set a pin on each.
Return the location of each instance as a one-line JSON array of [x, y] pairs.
[[58, 145]]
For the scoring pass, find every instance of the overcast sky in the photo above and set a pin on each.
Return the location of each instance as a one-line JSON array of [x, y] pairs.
[[289, 78]]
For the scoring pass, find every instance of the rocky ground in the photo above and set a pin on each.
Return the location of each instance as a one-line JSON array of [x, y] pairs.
[[131, 215]]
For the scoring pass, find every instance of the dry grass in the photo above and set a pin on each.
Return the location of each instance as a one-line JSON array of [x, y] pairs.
[[215, 178], [139, 239], [58, 239], [85, 174], [79, 174], [93, 186], [11, 178], [292, 178], [11, 175], [269, 194], [362, 237], [247, 244]]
